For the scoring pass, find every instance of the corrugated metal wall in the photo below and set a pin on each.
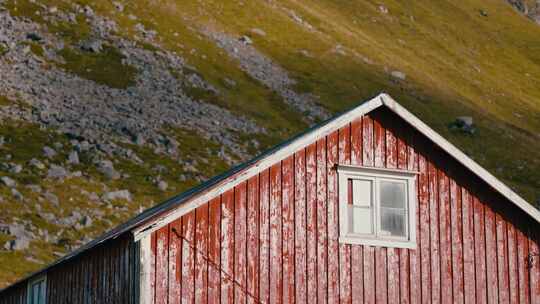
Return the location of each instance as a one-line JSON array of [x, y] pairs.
[[274, 238], [108, 273]]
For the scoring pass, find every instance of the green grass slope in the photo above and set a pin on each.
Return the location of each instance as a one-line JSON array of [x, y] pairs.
[[475, 58]]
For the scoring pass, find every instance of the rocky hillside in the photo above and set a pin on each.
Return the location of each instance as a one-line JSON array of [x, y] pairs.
[[107, 108], [529, 8]]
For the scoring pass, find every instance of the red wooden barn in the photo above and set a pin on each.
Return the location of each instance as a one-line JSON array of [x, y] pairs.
[[372, 206]]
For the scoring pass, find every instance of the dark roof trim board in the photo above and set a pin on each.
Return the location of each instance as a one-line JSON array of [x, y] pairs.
[[154, 218]]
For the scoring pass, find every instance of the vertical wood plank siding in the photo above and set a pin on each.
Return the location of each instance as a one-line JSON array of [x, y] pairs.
[[109, 273], [279, 238], [274, 238]]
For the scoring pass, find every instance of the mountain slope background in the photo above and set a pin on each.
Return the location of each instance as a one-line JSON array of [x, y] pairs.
[[107, 108]]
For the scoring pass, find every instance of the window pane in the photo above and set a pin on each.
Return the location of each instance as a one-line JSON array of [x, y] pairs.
[[393, 222], [361, 220], [393, 195], [361, 192]]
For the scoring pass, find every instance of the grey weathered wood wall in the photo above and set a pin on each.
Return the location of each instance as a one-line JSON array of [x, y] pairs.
[[108, 273]]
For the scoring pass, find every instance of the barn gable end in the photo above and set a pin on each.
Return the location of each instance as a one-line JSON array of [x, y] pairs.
[[270, 233]]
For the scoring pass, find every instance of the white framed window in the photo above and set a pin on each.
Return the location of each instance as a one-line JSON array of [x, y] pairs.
[[37, 290], [377, 206]]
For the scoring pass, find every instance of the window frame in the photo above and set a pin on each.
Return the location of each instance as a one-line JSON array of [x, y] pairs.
[[346, 172], [29, 289]]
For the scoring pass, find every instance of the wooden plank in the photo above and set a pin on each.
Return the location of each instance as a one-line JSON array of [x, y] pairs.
[[344, 157], [227, 247], [502, 259], [84, 278], [424, 212], [415, 288], [369, 274], [434, 233], [480, 251], [456, 216], [98, 274], [77, 282], [287, 207], [367, 141], [107, 283], [491, 256], [264, 230], [253, 240], [534, 249], [445, 223], [188, 258], [152, 289], [240, 242], [175, 261], [322, 241], [379, 142], [356, 142], [67, 285], [115, 272], [468, 247], [381, 271], [120, 275], [404, 273], [523, 269], [513, 276], [214, 251], [393, 270], [147, 293], [276, 265], [311, 222], [102, 271], [162, 265], [368, 251], [381, 276], [357, 257], [392, 258], [333, 221], [300, 222], [201, 253]]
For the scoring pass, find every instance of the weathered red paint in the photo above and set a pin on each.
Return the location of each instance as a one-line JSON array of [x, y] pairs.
[[175, 262], [201, 254], [253, 239], [276, 226], [300, 221], [288, 235], [311, 223], [240, 249], [264, 232], [322, 241], [227, 247], [357, 257], [344, 157], [214, 252], [188, 258]]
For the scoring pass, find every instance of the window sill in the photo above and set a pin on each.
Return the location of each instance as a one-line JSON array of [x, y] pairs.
[[354, 240]]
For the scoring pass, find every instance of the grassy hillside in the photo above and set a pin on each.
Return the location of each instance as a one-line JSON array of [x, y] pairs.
[[475, 58]]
